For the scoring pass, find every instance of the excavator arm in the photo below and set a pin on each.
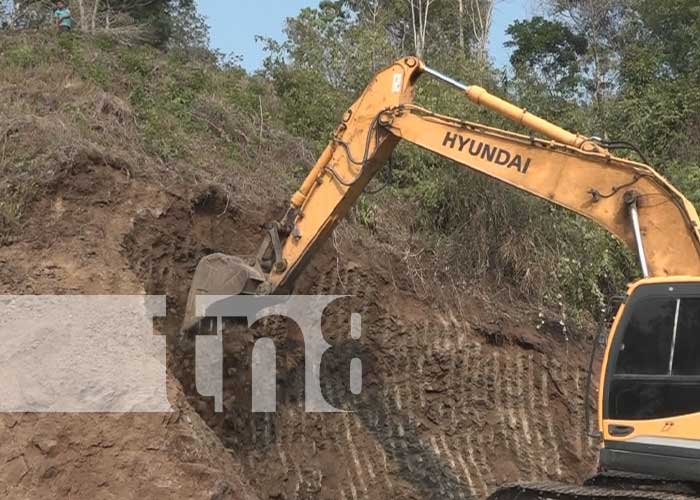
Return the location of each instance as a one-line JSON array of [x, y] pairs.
[[629, 199]]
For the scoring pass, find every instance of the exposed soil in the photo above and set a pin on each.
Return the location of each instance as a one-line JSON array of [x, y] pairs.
[[461, 393], [72, 244]]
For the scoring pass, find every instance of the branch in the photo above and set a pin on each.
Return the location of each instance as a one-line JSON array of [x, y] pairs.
[[94, 16]]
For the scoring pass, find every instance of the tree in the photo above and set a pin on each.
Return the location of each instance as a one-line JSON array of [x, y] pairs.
[[5, 9], [26, 13], [481, 18], [460, 14], [674, 28], [548, 49], [658, 101], [420, 9], [156, 16], [188, 29], [153, 13], [88, 11], [601, 22]]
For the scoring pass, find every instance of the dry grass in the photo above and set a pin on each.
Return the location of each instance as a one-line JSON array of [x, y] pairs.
[[53, 116]]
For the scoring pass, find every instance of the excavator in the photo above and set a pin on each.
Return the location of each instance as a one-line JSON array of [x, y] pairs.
[[649, 396]]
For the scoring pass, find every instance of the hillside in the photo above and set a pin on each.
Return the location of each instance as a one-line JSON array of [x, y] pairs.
[[121, 167]]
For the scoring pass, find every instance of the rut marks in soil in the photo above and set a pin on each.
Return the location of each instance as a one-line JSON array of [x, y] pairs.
[[445, 411]]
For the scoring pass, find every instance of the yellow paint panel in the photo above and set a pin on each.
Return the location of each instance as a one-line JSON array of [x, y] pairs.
[[684, 427]]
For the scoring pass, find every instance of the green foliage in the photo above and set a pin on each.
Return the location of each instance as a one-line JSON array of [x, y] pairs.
[[24, 56], [619, 69], [165, 103], [489, 229], [155, 13], [478, 226], [653, 49], [686, 177], [166, 91], [189, 30], [169, 23], [310, 104], [675, 27], [364, 213], [550, 50], [658, 103]]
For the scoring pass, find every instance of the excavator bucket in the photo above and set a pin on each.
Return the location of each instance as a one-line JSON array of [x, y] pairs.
[[220, 274]]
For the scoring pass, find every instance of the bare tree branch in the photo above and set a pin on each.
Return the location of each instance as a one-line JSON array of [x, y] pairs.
[[419, 19], [481, 17]]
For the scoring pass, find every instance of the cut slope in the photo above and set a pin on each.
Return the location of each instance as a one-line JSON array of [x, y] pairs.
[[71, 244], [461, 392]]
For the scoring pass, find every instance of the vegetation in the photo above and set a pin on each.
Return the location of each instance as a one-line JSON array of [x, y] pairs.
[[157, 22], [71, 101], [619, 69]]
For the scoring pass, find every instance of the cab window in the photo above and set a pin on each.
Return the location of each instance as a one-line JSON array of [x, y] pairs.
[[646, 344], [658, 362], [686, 353]]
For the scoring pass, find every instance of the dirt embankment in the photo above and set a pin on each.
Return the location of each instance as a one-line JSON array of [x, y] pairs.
[[73, 244], [460, 392]]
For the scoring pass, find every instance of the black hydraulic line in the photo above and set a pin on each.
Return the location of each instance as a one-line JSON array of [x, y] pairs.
[[625, 145], [589, 380]]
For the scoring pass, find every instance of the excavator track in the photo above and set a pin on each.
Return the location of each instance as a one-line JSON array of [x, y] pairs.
[[559, 491], [642, 482]]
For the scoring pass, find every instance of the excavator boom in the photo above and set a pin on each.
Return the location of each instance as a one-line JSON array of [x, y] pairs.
[[593, 183], [630, 200]]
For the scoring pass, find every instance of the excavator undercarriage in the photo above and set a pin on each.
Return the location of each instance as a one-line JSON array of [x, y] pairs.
[[603, 486]]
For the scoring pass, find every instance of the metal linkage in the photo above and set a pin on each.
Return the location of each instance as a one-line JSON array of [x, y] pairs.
[[631, 202], [447, 79]]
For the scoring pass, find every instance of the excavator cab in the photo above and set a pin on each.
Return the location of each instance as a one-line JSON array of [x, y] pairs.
[[650, 397]]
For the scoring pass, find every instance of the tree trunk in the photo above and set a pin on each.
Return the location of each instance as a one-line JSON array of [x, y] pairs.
[[461, 24], [81, 10], [93, 24], [481, 14], [419, 19], [416, 27], [595, 19]]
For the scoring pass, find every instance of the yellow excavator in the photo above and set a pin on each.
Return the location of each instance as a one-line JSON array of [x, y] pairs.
[[649, 397]]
